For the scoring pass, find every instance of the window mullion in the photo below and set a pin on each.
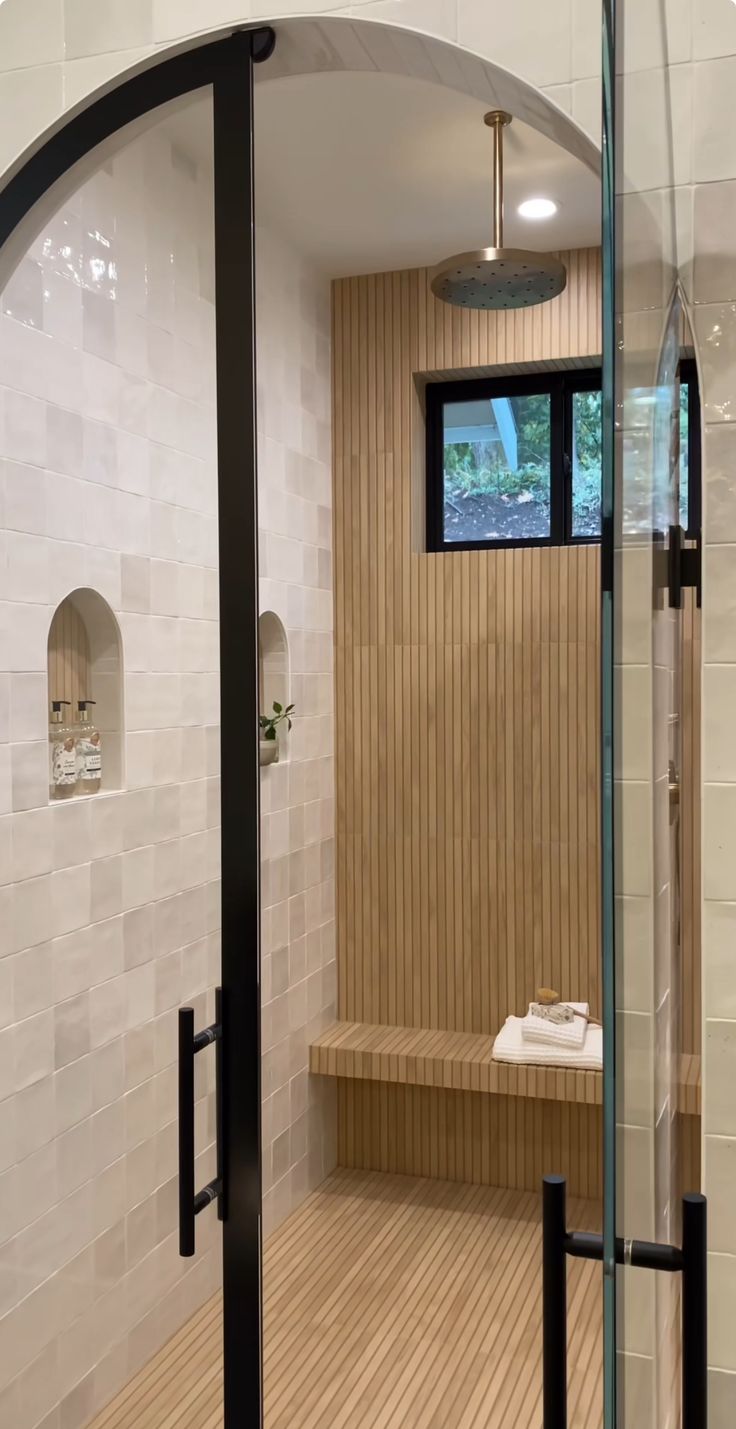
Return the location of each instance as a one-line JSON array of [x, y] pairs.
[[558, 475]]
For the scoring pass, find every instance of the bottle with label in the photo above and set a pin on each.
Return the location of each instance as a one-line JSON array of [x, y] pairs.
[[62, 754], [89, 751]]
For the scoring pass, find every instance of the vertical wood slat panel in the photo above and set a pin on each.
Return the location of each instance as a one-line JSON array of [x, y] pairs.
[[68, 659], [491, 1140], [464, 876], [467, 696]]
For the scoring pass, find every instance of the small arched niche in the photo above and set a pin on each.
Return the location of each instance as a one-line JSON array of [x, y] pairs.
[[273, 670], [85, 663]]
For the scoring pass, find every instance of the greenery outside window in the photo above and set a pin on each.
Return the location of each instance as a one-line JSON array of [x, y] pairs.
[[514, 461]]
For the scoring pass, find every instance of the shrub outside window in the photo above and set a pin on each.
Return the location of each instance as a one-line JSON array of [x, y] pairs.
[[514, 461]]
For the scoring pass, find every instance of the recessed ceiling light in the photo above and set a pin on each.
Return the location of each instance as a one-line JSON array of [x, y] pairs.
[[537, 208]]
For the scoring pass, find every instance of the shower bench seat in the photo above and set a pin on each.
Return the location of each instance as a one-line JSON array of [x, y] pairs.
[[462, 1061], [458, 1061]]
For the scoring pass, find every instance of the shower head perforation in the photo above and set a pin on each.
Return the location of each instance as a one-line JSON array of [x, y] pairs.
[[510, 277]]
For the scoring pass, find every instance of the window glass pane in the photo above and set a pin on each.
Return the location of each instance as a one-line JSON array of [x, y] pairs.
[[497, 468], [684, 454], [586, 463]]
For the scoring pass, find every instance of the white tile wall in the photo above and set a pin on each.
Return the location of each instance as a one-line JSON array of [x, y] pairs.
[[71, 47], [107, 414], [709, 288], [104, 332]]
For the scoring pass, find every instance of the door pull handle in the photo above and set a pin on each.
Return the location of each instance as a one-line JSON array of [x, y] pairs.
[[191, 1203]]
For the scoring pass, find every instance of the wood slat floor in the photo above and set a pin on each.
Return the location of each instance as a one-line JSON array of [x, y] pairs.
[[392, 1302]]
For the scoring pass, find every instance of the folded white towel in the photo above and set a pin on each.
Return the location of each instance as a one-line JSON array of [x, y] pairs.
[[557, 1034], [510, 1046]]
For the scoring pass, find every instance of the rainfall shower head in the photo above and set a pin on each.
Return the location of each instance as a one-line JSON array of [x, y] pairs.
[[498, 277]]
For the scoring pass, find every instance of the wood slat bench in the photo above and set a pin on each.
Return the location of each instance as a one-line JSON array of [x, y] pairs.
[[459, 1061], [462, 1061]]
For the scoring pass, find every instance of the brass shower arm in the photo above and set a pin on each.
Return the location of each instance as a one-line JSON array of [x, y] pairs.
[[497, 119]]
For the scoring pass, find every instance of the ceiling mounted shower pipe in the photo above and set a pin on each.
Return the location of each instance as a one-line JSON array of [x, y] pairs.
[[498, 277]]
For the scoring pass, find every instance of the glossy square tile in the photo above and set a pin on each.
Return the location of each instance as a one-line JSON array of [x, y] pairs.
[[540, 48], [719, 702], [719, 958], [87, 31], [719, 822], [721, 1298], [713, 89], [718, 1051], [714, 30], [721, 1398], [719, 631]]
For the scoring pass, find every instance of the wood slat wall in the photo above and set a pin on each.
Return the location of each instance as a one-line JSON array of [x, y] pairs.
[[469, 1136], [467, 718], [467, 699], [68, 658]]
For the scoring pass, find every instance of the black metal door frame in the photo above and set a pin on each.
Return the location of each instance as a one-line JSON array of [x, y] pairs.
[[225, 64]]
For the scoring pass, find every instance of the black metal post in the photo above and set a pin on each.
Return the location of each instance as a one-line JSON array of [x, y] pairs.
[[239, 708], [554, 1303], [219, 1110], [694, 1313], [186, 1131]]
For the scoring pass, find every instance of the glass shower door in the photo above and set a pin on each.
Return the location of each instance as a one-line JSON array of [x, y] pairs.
[[107, 356], [643, 718]]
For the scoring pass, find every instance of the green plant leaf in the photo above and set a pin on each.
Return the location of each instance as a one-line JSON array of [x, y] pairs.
[[270, 732], [278, 708]]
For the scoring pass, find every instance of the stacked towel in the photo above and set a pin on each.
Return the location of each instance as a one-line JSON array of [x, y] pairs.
[[557, 1034], [510, 1046]]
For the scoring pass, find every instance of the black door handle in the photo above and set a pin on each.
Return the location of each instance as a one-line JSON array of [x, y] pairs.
[[690, 1259], [190, 1204]]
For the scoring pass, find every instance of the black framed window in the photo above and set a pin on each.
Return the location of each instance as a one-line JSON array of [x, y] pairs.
[[516, 461]]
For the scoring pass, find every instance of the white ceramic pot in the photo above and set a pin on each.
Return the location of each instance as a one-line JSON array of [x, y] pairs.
[[268, 751]]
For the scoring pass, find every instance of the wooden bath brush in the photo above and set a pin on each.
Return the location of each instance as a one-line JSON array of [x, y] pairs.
[[547, 999]]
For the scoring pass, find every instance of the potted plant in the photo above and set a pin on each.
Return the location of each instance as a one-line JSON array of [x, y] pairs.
[[269, 725]]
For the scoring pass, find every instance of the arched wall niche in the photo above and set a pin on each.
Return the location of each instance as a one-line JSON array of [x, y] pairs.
[[85, 662], [273, 670]]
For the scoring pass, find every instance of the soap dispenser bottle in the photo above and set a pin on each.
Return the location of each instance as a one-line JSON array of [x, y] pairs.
[[89, 751], [62, 754]]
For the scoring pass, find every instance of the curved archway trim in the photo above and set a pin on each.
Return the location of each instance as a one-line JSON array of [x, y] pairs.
[[131, 99]]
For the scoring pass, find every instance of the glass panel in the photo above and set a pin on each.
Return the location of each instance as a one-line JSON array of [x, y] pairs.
[[644, 659], [609, 512], [107, 381], [497, 461], [586, 463]]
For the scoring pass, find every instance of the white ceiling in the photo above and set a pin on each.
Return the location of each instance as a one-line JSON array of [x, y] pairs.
[[368, 172]]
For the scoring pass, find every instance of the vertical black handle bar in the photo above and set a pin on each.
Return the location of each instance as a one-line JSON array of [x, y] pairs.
[[190, 1204]]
